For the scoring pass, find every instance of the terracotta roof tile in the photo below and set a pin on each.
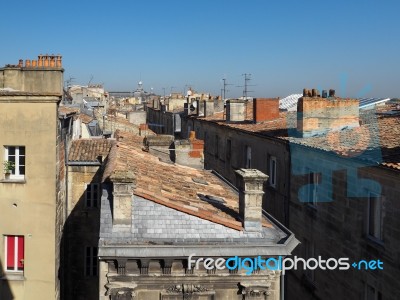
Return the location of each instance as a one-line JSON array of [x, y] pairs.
[[88, 150], [172, 185], [378, 132]]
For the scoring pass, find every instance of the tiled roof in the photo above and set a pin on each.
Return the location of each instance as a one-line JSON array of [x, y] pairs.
[[171, 185], [276, 127], [86, 119], [88, 150], [377, 132], [65, 110]]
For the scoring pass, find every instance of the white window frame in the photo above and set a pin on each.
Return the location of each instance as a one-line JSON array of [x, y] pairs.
[[378, 223], [94, 189], [272, 171], [15, 173], [15, 270], [313, 182], [93, 268], [248, 157]]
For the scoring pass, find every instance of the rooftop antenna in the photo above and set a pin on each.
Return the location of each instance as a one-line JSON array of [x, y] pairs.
[[246, 85], [69, 81], [224, 89], [90, 81]]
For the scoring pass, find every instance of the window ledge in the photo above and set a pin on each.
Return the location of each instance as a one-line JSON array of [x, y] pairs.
[[13, 277], [376, 243], [13, 180]]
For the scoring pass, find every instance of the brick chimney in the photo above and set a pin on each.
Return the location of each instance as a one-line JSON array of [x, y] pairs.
[[250, 184], [265, 109], [320, 115]]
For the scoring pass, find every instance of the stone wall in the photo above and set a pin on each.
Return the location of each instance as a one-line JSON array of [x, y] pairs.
[[81, 230], [316, 115]]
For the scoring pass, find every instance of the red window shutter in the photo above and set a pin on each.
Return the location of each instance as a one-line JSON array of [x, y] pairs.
[[20, 253], [10, 252]]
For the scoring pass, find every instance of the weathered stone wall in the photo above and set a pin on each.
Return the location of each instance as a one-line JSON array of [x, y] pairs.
[[316, 115], [338, 228], [45, 80], [81, 230], [152, 279]]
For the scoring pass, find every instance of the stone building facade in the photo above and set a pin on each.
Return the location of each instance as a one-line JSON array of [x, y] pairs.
[[156, 217], [31, 197]]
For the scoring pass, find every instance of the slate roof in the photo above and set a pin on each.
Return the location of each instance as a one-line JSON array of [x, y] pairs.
[[88, 150], [174, 186]]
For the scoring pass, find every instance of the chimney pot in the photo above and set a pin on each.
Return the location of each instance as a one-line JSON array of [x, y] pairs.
[[192, 135], [27, 63], [331, 93], [250, 183], [314, 92], [21, 63], [324, 94]]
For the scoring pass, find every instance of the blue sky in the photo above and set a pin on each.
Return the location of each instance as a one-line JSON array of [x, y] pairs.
[[351, 46]]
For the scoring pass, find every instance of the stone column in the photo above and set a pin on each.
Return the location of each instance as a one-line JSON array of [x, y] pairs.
[[122, 199]]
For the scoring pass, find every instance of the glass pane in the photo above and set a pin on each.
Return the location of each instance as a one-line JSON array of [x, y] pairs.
[[21, 150], [21, 170], [22, 160], [11, 150]]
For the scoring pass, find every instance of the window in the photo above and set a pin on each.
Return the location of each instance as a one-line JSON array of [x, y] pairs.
[[91, 261], [92, 194], [228, 150], [374, 216], [248, 157], [16, 154], [272, 171], [371, 293], [14, 253], [314, 179]]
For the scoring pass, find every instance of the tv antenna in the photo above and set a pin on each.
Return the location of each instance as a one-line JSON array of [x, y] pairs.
[[224, 89], [246, 85], [90, 81], [69, 81]]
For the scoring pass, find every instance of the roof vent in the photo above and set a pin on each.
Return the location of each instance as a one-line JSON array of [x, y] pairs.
[[211, 199], [199, 180]]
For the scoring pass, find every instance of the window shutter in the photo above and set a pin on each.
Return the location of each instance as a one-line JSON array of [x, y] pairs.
[[20, 253], [10, 252]]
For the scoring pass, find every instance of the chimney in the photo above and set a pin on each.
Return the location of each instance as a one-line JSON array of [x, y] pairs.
[[20, 63], [27, 63], [208, 108], [235, 110], [59, 61], [46, 60], [318, 115], [265, 109], [40, 60], [324, 94], [143, 128], [331, 93], [123, 185], [250, 184]]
